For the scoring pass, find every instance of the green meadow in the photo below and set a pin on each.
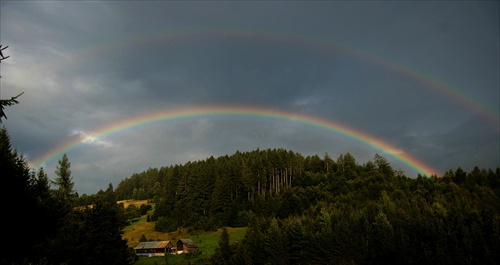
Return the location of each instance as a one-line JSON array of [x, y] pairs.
[[206, 242]]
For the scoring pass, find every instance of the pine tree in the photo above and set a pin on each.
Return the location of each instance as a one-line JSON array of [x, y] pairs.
[[223, 252], [383, 166], [51, 210], [221, 199], [42, 185], [276, 243], [253, 241], [241, 255], [20, 206], [104, 225], [297, 243], [224, 244], [64, 182]]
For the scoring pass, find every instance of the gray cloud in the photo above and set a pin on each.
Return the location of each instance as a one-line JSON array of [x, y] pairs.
[[392, 70]]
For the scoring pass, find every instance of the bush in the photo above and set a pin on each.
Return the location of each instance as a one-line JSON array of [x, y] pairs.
[[145, 208]]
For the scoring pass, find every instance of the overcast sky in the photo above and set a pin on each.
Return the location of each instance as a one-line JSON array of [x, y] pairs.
[[420, 76]]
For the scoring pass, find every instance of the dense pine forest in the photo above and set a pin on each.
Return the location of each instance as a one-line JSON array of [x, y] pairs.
[[298, 210], [316, 210]]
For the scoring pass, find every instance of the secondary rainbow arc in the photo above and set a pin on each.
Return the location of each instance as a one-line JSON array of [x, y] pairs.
[[487, 113]]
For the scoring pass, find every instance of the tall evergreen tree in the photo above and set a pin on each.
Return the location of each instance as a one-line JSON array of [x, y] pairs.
[[383, 166], [51, 209], [223, 252], [297, 244], [276, 244], [42, 185], [253, 241], [221, 199], [64, 181], [347, 165], [20, 206], [328, 163]]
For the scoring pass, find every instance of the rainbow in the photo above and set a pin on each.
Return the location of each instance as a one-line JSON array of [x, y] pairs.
[[239, 111], [489, 114]]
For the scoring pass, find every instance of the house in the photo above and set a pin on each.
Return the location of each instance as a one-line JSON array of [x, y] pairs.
[[186, 246], [153, 248]]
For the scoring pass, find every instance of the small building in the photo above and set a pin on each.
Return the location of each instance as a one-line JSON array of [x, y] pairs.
[[186, 246], [153, 248]]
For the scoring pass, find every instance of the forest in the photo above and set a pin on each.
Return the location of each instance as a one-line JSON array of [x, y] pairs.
[[316, 210], [298, 210]]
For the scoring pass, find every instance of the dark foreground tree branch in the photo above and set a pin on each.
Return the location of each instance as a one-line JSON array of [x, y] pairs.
[[12, 100], [7, 102]]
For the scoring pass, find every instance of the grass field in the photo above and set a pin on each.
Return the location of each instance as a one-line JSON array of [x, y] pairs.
[[206, 241], [137, 203]]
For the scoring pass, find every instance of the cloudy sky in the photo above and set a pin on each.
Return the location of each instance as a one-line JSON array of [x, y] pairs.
[[416, 82]]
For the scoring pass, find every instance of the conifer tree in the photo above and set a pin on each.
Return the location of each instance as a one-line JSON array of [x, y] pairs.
[[42, 185], [223, 252], [224, 244], [383, 166], [221, 199], [20, 207], [64, 181], [253, 241], [275, 244], [297, 243]]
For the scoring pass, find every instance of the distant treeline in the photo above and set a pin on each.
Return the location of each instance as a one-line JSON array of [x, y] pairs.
[[316, 210]]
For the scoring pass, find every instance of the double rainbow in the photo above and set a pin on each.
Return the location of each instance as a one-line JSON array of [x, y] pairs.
[[450, 92]]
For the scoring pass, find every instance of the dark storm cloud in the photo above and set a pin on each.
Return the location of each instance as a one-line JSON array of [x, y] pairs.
[[238, 72], [375, 66]]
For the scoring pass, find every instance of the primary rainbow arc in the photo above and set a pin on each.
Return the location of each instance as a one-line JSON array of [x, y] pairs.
[[243, 111]]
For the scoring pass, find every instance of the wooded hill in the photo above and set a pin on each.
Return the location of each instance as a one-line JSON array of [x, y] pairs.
[[298, 210], [313, 209]]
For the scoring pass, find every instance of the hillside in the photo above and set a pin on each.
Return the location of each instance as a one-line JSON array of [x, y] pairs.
[[322, 210], [206, 241], [134, 231]]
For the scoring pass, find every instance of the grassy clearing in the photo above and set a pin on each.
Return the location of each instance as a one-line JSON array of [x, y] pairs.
[[206, 241], [133, 232], [137, 203]]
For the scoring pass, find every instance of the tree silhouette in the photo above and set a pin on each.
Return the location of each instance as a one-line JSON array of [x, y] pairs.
[[12, 100], [64, 182]]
